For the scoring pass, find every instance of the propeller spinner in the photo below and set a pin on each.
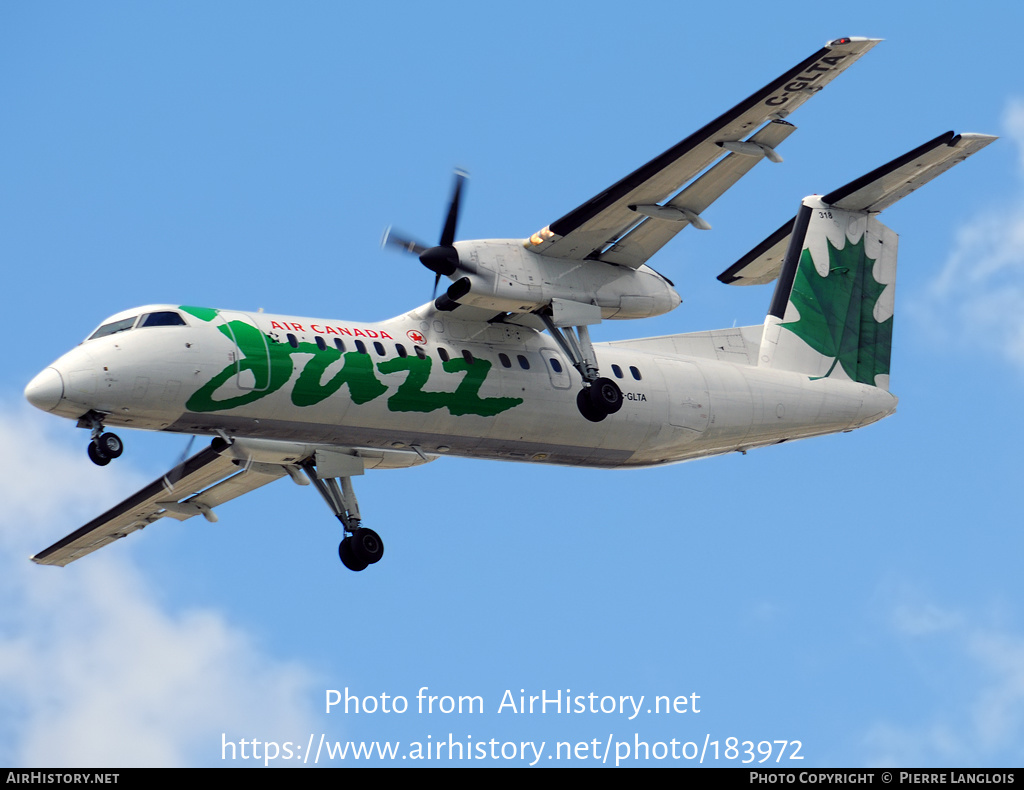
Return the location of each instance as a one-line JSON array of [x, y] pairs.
[[444, 258]]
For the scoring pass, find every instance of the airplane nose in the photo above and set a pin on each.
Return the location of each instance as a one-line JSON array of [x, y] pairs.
[[45, 390]]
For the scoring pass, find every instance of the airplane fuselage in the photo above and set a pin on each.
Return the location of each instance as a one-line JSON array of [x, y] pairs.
[[501, 365], [434, 385]]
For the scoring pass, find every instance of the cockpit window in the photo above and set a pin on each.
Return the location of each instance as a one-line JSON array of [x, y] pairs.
[[114, 327], [163, 318]]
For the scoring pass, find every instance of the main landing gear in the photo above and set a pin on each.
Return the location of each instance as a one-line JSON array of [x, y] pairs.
[[104, 447], [598, 399], [600, 396], [360, 547]]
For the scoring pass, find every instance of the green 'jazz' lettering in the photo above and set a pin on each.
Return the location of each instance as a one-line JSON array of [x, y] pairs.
[[465, 399], [410, 395], [357, 371], [254, 358]]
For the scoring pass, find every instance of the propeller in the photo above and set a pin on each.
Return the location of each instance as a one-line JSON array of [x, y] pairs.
[[171, 478], [442, 259]]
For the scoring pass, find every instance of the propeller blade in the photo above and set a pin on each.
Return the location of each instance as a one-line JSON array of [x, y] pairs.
[[171, 478], [392, 239], [448, 233], [443, 259]]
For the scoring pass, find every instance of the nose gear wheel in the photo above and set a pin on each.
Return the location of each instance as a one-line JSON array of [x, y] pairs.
[[104, 446]]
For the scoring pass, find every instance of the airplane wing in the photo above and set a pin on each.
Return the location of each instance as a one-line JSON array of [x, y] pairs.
[[195, 486], [628, 222], [873, 192], [223, 471]]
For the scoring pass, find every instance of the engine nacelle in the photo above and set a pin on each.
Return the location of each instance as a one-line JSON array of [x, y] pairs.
[[502, 275]]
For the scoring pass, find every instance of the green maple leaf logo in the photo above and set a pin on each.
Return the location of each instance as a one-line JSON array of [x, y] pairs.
[[836, 312]]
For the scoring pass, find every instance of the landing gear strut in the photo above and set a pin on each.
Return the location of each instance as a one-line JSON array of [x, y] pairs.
[[600, 396], [104, 447], [360, 547]]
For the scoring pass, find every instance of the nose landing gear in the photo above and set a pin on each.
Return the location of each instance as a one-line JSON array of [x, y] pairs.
[[104, 446]]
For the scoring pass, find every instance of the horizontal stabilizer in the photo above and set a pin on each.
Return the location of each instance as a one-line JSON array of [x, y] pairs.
[[872, 192]]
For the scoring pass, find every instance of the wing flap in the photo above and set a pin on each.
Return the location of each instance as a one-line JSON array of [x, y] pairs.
[[206, 479], [637, 246], [585, 231]]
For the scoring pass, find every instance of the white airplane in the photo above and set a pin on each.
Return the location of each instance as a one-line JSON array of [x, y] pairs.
[[501, 366]]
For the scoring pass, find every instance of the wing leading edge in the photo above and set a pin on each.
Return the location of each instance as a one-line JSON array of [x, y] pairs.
[[598, 228]]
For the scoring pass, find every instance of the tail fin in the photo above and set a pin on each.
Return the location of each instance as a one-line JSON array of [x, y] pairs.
[[832, 313], [831, 316]]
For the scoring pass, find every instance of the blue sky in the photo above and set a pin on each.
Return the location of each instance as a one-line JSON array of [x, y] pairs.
[[859, 593]]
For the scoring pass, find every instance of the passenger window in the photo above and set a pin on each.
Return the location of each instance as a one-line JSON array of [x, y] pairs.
[[443, 353], [360, 346], [617, 371], [524, 363], [378, 347], [635, 372], [420, 352], [468, 356], [320, 343], [293, 341], [339, 344], [555, 365], [505, 361], [401, 350]]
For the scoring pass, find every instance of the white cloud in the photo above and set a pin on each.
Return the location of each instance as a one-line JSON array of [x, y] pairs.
[[94, 668], [1013, 121], [979, 719], [922, 619], [978, 297]]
